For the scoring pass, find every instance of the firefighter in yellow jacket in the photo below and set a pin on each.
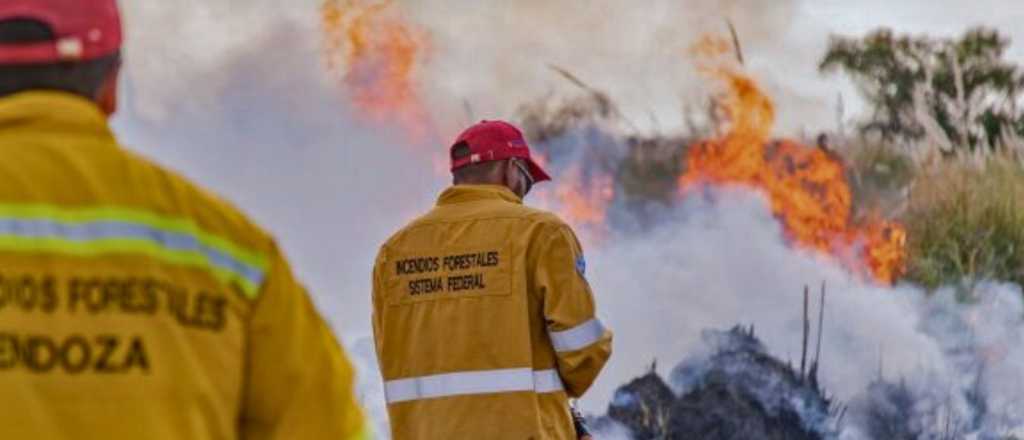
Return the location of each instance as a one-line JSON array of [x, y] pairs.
[[484, 322], [133, 304]]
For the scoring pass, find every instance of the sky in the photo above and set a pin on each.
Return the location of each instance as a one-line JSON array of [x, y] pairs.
[[639, 54]]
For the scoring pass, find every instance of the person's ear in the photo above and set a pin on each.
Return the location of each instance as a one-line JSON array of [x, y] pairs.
[[106, 96]]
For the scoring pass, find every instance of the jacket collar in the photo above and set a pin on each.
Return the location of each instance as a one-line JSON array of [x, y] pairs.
[[52, 111], [474, 193]]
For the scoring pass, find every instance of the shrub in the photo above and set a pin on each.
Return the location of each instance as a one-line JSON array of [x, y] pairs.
[[965, 223]]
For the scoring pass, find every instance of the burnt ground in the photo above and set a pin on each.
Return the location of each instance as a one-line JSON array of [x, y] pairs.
[[736, 391]]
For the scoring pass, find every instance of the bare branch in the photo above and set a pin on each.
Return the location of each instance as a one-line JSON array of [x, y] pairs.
[[807, 329], [735, 42], [600, 96], [821, 323]]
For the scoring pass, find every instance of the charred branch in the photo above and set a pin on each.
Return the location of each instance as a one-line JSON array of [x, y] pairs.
[[735, 41], [807, 330]]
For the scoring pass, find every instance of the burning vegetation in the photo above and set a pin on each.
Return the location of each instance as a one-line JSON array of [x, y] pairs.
[[807, 186], [613, 179], [375, 52], [959, 105]]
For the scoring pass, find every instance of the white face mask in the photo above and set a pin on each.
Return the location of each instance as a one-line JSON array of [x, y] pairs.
[[525, 181]]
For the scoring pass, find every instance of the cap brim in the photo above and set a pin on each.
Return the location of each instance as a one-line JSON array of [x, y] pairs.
[[538, 173]]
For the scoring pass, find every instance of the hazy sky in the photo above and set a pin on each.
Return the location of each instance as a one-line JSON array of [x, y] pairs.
[[494, 54], [936, 18], [933, 17]]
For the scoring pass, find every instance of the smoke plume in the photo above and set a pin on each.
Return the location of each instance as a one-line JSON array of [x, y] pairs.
[[234, 94]]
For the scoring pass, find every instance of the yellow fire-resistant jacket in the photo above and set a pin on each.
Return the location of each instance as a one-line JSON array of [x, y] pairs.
[[134, 305], [484, 322]]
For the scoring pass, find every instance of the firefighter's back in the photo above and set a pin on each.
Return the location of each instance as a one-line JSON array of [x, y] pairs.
[[463, 348], [124, 290]]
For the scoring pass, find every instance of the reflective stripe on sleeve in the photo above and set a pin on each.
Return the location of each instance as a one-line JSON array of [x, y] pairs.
[[93, 232], [578, 337], [472, 382]]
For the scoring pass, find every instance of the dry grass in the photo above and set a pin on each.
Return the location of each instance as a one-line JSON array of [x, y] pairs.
[[964, 212], [879, 175], [965, 223]]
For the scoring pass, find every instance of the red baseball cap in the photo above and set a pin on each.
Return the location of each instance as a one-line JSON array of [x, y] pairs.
[[496, 140], [84, 29]]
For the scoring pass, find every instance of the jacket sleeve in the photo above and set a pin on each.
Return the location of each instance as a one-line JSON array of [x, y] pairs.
[[299, 383], [580, 340]]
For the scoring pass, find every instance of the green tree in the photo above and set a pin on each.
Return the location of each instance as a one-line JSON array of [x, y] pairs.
[[959, 92]]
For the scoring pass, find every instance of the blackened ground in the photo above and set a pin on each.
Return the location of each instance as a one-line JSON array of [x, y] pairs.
[[643, 405], [736, 391], [723, 410]]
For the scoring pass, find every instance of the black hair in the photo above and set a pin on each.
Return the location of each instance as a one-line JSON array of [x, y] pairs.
[[461, 150], [81, 78]]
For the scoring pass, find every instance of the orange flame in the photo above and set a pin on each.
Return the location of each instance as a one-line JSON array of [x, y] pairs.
[[584, 201], [581, 199], [886, 251], [375, 53], [806, 186]]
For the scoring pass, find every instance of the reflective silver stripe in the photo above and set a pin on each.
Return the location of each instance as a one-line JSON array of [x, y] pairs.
[[472, 382], [87, 232], [547, 381], [577, 337]]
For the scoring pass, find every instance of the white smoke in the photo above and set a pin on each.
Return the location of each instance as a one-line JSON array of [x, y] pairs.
[[614, 431], [496, 54], [980, 335], [370, 391], [722, 261], [233, 93]]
